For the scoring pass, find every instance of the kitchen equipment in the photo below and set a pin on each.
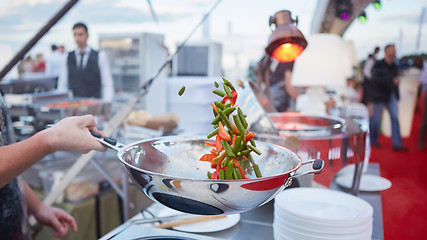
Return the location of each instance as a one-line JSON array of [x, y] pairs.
[[338, 140], [168, 170]]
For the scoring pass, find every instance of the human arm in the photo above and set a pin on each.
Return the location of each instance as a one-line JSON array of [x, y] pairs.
[[70, 134], [290, 89], [106, 78], [55, 218]]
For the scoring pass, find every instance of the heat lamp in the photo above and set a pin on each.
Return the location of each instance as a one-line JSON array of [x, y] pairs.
[[286, 42]]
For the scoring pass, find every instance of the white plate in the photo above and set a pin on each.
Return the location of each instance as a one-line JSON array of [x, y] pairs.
[[318, 204], [367, 182], [205, 226]]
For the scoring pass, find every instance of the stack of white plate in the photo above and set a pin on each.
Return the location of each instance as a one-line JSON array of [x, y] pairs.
[[315, 213]]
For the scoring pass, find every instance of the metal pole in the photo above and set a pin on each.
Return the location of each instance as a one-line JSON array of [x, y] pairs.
[[37, 37]]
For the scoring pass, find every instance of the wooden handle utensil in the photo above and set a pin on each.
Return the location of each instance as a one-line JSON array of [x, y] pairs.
[[187, 221]]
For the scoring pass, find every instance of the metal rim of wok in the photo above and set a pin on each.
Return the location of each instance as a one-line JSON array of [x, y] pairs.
[[124, 148]]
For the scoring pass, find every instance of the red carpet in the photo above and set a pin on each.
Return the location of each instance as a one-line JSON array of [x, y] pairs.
[[405, 203]]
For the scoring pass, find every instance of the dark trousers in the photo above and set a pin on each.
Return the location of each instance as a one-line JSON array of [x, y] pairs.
[[423, 126], [366, 88]]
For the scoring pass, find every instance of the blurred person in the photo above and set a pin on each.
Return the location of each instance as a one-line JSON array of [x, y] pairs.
[[422, 134], [385, 94], [28, 64], [54, 62], [367, 75], [17, 200], [39, 63], [274, 78], [86, 72], [61, 49]]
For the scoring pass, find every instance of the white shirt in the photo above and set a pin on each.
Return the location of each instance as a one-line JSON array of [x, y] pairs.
[[367, 68], [54, 63], [107, 92]]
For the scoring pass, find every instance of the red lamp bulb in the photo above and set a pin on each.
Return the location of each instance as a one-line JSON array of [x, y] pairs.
[[287, 52]]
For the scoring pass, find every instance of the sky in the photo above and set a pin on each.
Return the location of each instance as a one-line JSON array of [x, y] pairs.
[[240, 25]]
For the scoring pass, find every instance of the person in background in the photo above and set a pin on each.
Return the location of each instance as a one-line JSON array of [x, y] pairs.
[[39, 64], [275, 79], [28, 64], [54, 62], [385, 94], [367, 75], [61, 49], [422, 134], [16, 197], [86, 72]]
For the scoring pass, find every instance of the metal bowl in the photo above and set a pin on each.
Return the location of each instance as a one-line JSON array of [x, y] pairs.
[[168, 170]]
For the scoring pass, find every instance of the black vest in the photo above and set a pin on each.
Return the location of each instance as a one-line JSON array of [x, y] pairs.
[[84, 82]]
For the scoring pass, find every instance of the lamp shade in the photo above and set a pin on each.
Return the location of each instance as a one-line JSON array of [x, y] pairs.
[[286, 42], [327, 61]]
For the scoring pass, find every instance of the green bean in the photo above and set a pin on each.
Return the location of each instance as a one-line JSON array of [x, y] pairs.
[[215, 132], [239, 176], [229, 110], [242, 118], [257, 171], [227, 148], [181, 91], [237, 144], [229, 84], [255, 166], [216, 84], [225, 120], [221, 174], [209, 175], [239, 125], [235, 174], [229, 171], [214, 112], [227, 91], [246, 152], [219, 105], [254, 149], [253, 142], [219, 92], [227, 105], [216, 119]]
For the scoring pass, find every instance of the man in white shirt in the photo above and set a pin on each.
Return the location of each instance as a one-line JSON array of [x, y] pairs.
[[86, 72], [367, 75], [54, 62]]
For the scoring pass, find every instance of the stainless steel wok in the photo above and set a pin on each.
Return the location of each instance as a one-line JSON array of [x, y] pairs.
[[168, 170]]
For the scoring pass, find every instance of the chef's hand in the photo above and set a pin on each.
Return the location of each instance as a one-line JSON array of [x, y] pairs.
[[55, 218], [72, 134]]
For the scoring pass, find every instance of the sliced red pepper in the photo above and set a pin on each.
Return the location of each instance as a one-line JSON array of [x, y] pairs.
[[208, 157], [234, 139], [214, 107], [237, 165], [222, 133], [215, 175], [249, 136], [210, 144], [232, 100], [218, 144]]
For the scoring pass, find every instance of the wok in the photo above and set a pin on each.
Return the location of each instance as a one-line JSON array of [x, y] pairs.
[[168, 170]]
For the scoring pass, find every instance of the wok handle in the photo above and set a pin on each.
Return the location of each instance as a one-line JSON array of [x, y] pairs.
[[317, 167], [107, 141]]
